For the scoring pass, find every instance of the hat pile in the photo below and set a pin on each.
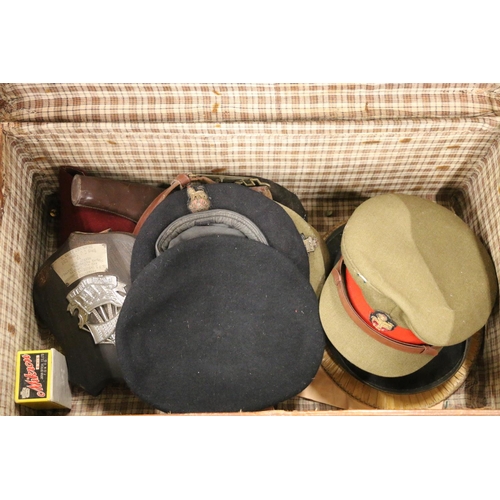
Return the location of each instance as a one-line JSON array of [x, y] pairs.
[[222, 314], [403, 307]]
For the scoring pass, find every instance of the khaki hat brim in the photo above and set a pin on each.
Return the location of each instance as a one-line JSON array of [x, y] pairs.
[[359, 348]]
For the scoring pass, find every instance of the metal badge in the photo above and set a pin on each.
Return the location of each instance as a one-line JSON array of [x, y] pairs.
[[98, 300], [311, 243]]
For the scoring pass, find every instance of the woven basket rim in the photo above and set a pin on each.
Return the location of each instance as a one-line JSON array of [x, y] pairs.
[[375, 398]]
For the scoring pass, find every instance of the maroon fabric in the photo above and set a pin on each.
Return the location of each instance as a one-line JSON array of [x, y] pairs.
[[87, 220]]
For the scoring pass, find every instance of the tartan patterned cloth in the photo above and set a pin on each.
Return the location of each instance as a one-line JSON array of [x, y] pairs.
[[184, 103], [332, 145]]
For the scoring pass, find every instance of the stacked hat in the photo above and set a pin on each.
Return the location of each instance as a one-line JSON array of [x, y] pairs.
[[78, 293], [71, 218], [221, 315], [278, 229], [316, 247], [405, 303]]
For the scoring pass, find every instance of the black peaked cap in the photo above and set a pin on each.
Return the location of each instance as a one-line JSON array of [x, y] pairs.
[[278, 228], [219, 324]]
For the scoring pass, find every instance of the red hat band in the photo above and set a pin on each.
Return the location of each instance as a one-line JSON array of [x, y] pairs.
[[378, 324]]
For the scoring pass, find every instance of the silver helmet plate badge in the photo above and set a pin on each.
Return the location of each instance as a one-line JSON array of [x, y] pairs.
[[98, 301]]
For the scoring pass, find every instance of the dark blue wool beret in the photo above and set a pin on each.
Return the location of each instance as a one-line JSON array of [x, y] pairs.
[[219, 324]]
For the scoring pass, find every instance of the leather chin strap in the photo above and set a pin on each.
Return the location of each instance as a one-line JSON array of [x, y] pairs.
[[338, 276]]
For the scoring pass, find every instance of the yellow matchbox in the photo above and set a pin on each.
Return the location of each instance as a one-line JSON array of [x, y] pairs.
[[42, 380]]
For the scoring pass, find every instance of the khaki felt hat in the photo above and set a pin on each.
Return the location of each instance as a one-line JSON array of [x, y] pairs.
[[317, 251], [413, 278], [342, 384]]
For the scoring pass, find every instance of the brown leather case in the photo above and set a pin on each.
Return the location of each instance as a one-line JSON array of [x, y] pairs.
[[128, 199]]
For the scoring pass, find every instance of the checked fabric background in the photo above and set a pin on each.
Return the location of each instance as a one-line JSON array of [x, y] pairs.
[[332, 145]]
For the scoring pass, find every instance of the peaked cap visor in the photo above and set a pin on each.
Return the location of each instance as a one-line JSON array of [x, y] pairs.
[[440, 369]]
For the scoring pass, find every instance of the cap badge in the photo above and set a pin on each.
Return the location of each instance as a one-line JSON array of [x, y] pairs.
[[98, 301], [382, 321], [198, 200], [310, 243]]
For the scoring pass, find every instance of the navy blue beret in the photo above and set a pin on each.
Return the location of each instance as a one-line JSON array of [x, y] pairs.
[[219, 324]]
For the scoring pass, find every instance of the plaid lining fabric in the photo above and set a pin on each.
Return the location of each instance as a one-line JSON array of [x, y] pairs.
[[331, 165], [233, 102], [482, 212]]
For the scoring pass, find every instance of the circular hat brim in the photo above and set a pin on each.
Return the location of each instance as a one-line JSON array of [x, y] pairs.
[[219, 323], [424, 388], [319, 257], [270, 218], [440, 369]]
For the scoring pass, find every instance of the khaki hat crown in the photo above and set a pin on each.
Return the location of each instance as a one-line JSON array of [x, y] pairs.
[[422, 265]]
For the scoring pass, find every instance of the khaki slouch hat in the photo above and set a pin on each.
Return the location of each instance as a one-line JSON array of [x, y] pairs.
[[413, 278]]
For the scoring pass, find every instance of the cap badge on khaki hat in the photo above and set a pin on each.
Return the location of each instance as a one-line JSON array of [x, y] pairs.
[[393, 302], [378, 324], [317, 251]]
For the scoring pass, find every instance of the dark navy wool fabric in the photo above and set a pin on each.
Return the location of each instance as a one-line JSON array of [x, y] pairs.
[[278, 228], [219, 324]]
